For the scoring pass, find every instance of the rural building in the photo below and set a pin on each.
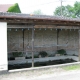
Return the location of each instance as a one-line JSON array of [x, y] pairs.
[[29, 34]]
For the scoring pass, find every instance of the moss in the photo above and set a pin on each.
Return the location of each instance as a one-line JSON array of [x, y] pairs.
[[15, 8]]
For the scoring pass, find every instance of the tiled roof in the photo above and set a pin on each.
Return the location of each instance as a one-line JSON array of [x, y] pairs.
[[4, 7], [31, 16], [19, 18]]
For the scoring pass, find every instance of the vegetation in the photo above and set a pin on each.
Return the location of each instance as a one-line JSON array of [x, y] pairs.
[[17, 54], [61, 52], [43, 53], [36, 56], [38, 12], [73, 67], [15, 8], [69, 11]]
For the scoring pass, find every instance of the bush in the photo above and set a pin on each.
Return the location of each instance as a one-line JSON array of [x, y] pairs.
[[17, 54], [43, 53], [35, 56], [61, 52]]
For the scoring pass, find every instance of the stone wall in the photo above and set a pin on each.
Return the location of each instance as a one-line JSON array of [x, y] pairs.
[[47, 39], [69, 38], [15, 40]]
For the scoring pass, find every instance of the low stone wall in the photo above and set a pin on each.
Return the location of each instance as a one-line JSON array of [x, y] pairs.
[[42, 59]]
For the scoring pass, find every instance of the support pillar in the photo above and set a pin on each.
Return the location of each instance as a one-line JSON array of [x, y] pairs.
[[33, 46], [23, 40], [79, 45], [57, 38]]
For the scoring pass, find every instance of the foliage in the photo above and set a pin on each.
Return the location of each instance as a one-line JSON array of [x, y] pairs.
[[61, 52], [43, 53], [36, 56], [77, 9], [38, 12], [69, 11], [15, 8], [17, 54]]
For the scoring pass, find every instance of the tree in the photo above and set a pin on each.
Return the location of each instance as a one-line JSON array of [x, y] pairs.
[[77, 9], [38, 12], [69, 11], [14, 8], [66, 11]]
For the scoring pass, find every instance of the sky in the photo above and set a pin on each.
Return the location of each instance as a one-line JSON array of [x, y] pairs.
[[47, 7]]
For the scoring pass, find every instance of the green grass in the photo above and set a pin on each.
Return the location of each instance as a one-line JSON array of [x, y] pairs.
[[73, 67]]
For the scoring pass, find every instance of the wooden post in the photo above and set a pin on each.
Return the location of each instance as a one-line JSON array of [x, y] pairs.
[[33, 46], [57, 38], [23, 40], [79, 45]]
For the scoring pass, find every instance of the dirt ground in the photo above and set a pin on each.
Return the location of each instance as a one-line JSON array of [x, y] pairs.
[[24, 75]]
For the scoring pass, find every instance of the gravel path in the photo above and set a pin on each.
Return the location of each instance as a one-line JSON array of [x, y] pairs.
[[24, 75]]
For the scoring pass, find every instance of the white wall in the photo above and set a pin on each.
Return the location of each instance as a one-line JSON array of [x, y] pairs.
[[3, 46]]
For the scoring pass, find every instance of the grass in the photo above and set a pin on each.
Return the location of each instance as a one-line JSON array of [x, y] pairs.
[[73, 67]]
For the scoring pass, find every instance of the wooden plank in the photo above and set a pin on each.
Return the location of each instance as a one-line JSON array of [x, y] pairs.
[[39, 22], [56, 27], [43, 26], [19, 26]]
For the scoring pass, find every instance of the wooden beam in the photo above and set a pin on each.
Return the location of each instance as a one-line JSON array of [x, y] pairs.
[[43, 22], [43, 26], [38, 20], [58, 27], [19, 26]]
